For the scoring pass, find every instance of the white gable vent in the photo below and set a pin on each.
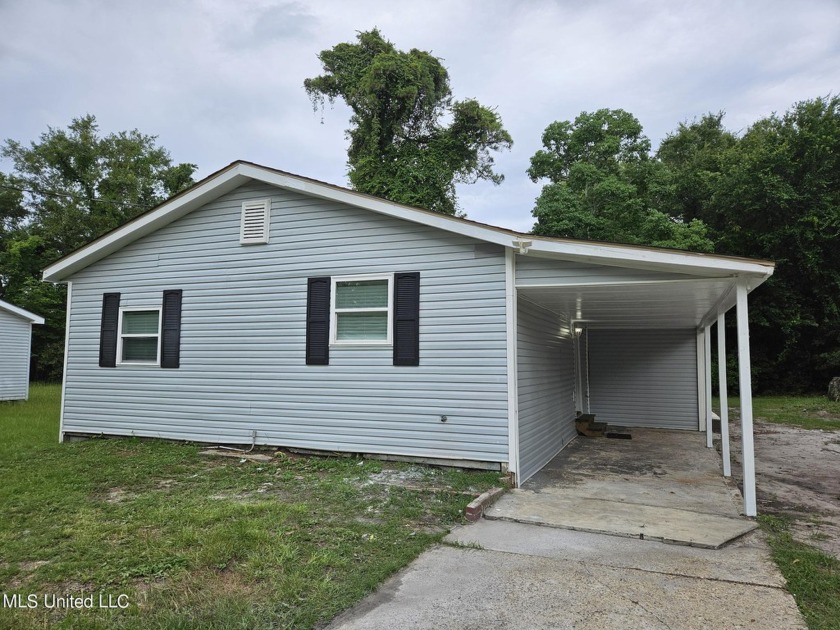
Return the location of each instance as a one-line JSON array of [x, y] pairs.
[[255, 221]]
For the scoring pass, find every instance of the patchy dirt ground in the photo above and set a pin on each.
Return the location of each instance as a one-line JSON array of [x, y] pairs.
[[798, 477]]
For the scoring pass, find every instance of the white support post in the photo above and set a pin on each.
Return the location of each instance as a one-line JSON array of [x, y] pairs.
[[66, 355], [724, 403], [578, 374], [512, 380], [701, 385], [745, 389], [586, 371], [707, 375]]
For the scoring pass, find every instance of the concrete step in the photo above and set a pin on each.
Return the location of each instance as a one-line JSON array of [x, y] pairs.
[[632, 520]]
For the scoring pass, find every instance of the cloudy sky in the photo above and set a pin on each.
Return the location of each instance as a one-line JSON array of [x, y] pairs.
[[218, 81]]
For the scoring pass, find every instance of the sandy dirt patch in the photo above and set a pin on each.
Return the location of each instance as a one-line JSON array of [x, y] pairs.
[[798, 477]]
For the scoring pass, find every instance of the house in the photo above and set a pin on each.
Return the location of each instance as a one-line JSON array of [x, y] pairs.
[[15, 349], [264, 307]]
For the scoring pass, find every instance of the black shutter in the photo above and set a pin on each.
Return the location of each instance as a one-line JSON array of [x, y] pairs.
[[108, 330], [170, 347], [407, 319], [318, 322]]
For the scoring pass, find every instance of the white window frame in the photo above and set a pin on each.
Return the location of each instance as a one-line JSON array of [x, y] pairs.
[[335, 312], [128, 309], [250, 205]]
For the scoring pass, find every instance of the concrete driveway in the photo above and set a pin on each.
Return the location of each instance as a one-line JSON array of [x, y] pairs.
[[577, 547], [498, 574]]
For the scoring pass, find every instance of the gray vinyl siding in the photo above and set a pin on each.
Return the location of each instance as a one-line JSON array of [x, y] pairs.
[[534, 271], [243, 337], [15, 339], [644, 378], [545, 357]]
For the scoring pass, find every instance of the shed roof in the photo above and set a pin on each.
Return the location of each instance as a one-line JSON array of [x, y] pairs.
[[19, 312], [241, 172]]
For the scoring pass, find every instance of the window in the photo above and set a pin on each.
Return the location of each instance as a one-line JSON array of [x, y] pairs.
[[139, 336], [361, 309], [255, 222]]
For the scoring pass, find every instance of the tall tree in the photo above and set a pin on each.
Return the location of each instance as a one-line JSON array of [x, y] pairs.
[[400, 148], [694, 157], [777, 196], [603, 185], [65, 190]]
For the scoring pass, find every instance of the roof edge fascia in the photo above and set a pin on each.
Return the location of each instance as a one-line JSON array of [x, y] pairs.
[[694, 263], [16, 310]]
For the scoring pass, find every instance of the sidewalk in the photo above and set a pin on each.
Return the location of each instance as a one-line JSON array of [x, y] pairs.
[[512, 575]]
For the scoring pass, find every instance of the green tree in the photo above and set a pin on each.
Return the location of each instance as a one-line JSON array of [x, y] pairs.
[[777, 196], [693, 157], [603, 185], [65, 190], [399, 147], [12, 215]]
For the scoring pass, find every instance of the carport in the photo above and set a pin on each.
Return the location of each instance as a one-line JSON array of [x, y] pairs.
[[625, 333], [662, 485]]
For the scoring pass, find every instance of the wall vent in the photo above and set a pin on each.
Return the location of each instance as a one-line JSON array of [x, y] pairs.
[[255, 222]]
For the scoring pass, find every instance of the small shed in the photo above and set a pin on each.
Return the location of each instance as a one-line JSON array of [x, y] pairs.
[[15, 347]]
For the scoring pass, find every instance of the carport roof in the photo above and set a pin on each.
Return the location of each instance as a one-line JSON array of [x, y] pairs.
[[686, 303]]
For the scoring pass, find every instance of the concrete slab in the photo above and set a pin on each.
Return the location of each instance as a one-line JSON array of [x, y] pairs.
[[661, 485], [747, 560], [467, 589], [645, 522]]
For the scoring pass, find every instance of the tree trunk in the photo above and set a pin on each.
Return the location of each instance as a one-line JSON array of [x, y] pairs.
[[834, 389]]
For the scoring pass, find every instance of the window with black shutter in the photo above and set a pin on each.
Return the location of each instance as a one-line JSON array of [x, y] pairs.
[[141, 335]]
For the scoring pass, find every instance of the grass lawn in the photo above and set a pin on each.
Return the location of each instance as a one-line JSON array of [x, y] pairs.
[[814, 412], [808, 412], [203, 542]]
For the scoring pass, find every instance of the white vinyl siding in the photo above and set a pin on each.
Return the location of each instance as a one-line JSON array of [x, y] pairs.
[[644, 378], [243, 337], [545, 355], [15, 339]]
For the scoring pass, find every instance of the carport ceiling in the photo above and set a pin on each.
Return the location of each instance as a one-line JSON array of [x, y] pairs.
[[668, 304]]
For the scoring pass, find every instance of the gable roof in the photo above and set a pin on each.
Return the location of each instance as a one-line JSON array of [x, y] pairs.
[[19, 312], [241, 172]]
